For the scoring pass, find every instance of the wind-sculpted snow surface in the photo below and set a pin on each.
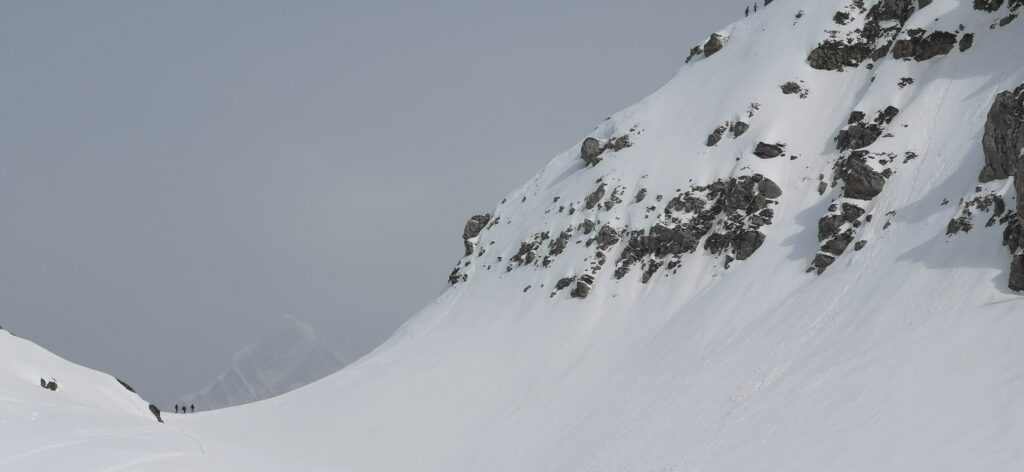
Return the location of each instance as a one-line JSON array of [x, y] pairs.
[[655, 307]]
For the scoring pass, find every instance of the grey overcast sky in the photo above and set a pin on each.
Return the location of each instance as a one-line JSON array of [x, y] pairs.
[[176, 175]]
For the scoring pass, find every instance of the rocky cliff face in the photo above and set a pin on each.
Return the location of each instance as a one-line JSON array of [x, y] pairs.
[[729, 217]]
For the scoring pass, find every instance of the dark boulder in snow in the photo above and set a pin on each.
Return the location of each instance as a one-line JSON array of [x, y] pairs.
[[592, 148], [822, 261], [595, 197], [1017, 273], [472, 229], [768, 151], [769, 189], [564, 282], [714, 44], [852, 212], [156, 412], [591, 151], [716, 136], [694, 52], [747, 243], [862, 183], [858, 136], [790, 88], [49, 385], [837, 55], [607, 237], [966, 42], [837, 245], [829, 226], [583, 286], [475, 225], [640, 195], [1004, 135], [738, 128]]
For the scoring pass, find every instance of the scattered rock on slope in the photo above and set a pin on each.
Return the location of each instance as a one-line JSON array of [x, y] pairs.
[[768, 151], [156, 412], [921, 48], [593, 148], [473, 228], [714, 44], [882, 24], [861, 181]]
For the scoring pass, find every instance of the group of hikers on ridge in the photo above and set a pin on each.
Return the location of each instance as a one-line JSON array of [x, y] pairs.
[[184, 409]]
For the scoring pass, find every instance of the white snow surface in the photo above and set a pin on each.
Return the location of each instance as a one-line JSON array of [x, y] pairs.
[[907, 355], [289, 356]]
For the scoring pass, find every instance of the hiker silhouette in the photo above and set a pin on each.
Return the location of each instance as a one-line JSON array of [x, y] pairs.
[[193, 408], [175, 408]]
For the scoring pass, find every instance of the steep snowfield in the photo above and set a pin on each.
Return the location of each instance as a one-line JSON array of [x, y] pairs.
[[288, 356], [903, 355]]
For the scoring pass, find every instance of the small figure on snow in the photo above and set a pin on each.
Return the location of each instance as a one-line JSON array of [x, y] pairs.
[[175, 408], [193, 407]]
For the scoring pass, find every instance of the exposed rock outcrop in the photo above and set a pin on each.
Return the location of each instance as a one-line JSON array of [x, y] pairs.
[[156, 412], [591, 151], [595, 197], [861, 181], [882, 24], [592, 148], [473, 227], [1017, 273], [714, 44], [1004, 136], [966, 42], [769, 151], [860, 134], [729, 213], [794, 88], [125, 385], [921, 48], [583, 286]]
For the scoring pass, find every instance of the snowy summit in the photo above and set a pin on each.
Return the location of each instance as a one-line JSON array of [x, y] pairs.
[[288, 357]]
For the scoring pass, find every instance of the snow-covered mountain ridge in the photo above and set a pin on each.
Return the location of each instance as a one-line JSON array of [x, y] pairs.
[[625, 217], [798, 255]]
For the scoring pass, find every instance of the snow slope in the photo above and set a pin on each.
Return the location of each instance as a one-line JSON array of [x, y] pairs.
[[90, 421], [903, 355], [288, 356]]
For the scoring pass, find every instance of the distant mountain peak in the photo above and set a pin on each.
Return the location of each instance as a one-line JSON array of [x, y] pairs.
[[290, 355]]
